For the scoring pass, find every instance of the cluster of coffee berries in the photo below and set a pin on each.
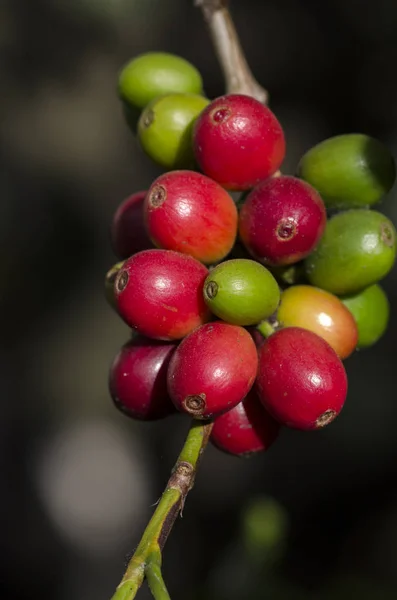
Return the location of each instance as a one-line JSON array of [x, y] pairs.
[[244, 288]]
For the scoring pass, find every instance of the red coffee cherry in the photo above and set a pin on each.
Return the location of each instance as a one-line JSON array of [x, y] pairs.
[[301, 381], [190, 213], [245, 429], [212, 370], [160, 294], [127, 232], [238, 141], [138, 379], [282, 220]]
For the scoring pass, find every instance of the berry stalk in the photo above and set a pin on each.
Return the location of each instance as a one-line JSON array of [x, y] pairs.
[[238, 76], [146, 560]]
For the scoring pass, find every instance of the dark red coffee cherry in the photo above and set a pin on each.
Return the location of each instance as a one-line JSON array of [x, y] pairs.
[[282, 220], [212, 370], [238, 141], [138, 379], [245, 429], [160, 294], [301, 381], [127, 233], [190, 213]]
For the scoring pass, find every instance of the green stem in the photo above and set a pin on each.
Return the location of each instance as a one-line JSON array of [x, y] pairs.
[[155, 578], [171, 504], [265, 329]]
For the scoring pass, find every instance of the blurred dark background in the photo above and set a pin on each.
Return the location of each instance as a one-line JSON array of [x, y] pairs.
[[78, 479]]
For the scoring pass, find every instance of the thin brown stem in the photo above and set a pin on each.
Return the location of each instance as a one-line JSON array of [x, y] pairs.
[[238, 76]]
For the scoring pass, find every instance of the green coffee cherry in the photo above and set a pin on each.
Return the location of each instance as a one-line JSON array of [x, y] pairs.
[[357, 249], [349, 171], [165, 129], [156, 73], [370, 309], [241, 292]]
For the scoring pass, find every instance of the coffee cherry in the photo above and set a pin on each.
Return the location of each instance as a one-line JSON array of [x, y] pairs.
[[301, 381], [349, 171], [241, 292], [156, 73], [238, 141], [188, 212], [370, 308], [212, 370], [321, 312], [357, 249], [159, 293], [165, 129], [245, 429], [138, 379], [109, 284], [127, 232], [282, 220]]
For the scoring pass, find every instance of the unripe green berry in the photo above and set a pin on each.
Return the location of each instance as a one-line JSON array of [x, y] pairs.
[[349, 171], [241, 292], [156, 73], [358, 248], [370, 309], [165, 129]]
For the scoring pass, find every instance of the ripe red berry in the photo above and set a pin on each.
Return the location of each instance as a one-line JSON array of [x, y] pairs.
[[212, 369], [127, 232], [238, 141], [282, 220], [301, 381], [245, 429], [138, 379], [160, 294], [190, 213]]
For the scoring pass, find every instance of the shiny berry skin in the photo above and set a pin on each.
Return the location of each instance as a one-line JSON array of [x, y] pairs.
[[241, 292], [165, 129], [160, 294], [238, 142], [301, 381], [212, 370], [138, 379], [371, 310], [245, 429], [282, 220], [349, 171], [187, 212], [321, 312], [127, 232], [153, 74], [358, 248]]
